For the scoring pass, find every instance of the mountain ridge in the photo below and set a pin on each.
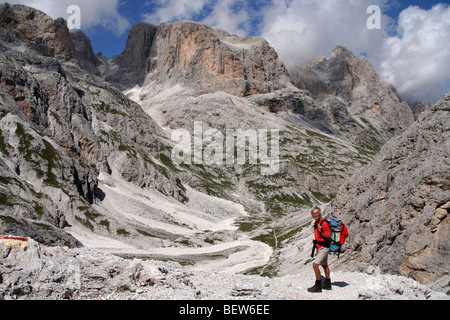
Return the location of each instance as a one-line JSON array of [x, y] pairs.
[[216, 61]]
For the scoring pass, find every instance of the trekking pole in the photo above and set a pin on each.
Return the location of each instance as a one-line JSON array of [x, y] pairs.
[[313, 249]]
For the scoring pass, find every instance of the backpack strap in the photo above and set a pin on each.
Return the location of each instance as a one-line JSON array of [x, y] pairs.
[[321, 223], [313, 249], [325, 244]]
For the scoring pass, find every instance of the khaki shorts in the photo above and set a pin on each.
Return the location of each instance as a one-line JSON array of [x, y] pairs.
[[322, 257]]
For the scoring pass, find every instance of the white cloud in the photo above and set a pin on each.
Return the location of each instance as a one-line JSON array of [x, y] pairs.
[[93, 13], [417, 61], [174, 10], [224, 16], [300, 30], [219, 13]]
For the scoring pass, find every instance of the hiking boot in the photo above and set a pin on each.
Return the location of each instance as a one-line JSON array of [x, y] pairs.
[[316, 288], [326, 285]]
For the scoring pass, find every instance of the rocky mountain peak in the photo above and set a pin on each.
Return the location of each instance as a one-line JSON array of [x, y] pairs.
[[355, 83], [22, 24], [336, 75], [342, 53], [132, 64], [200, 56]]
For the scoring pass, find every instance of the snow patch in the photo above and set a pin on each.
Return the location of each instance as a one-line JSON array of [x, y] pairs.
[[126, 202]]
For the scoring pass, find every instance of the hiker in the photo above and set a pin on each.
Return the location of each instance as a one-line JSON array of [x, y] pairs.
[[322, 238]]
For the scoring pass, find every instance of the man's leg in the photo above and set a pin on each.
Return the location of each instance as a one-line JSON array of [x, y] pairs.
[[326, 269], [317, 271], [327, 284], [321, 260], [317, 285]]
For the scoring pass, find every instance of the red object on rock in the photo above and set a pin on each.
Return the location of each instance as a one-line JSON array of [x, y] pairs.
[[13, 238]]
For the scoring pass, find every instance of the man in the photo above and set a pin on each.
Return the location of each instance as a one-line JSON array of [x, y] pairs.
[[322, 237]]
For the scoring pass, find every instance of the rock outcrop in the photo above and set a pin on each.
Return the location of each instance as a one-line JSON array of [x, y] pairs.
[[24, 25], [84, 53], [397, 208]]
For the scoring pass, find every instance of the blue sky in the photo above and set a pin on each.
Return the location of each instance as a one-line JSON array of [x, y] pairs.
[[135, 11], [411, 50], [399, 6]]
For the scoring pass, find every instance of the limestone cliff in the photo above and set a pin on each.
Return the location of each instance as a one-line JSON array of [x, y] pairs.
[[131, 67], [84, 53], [202, 57]]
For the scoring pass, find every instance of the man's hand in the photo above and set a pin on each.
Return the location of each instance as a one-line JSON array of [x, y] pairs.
[[326, 237]]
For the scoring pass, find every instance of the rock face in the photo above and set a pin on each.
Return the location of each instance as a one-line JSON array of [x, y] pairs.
[[84, 53], [199, 56], [397, 208], [345, 82], [420, 107], [133, 64], [60, 128]]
